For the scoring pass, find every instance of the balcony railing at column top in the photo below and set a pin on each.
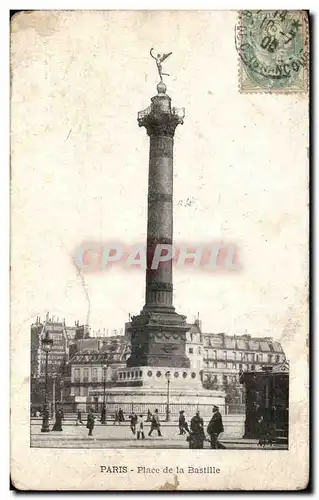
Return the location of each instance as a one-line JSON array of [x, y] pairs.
[[179, 112]]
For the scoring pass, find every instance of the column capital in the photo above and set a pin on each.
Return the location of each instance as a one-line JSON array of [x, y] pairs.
[[160, 119]]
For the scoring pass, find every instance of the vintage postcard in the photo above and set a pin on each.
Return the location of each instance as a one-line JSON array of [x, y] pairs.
[[159, 250]]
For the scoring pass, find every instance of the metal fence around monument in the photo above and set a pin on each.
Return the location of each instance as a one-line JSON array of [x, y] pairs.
[[142, 409]]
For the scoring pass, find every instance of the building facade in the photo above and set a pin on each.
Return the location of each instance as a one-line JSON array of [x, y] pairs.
[[94, 366], [58, 359], [82, 367], [220, 358], [226, 356], [194, 346]]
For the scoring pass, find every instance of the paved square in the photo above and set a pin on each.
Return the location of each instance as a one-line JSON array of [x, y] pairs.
[[120, 436]]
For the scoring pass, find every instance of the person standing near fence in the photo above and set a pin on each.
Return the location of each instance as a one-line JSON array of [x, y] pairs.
[[79, 418], [58, 421], [90, 421], [214, 428], [155, 424], [133, 421], [182, 424], [116, 418], [196, 436], [103, 415], [140, 427], [121, 415]]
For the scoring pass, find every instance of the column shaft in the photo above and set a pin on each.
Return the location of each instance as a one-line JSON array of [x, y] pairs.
[[159, 288]]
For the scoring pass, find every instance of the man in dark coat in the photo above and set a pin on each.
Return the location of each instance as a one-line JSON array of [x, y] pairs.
[[196, 437], [58, 421], [215, 427], [116, 418], [182, 424], [79, 418], [121, 415], [90, 421], [103, 415], [155, 424], [133, 422]]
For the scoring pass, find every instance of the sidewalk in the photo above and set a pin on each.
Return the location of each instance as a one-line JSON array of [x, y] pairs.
[[120, 436]]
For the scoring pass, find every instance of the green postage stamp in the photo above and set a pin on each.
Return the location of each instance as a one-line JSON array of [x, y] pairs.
[[273, 48]]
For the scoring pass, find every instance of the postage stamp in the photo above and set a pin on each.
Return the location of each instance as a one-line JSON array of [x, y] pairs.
[[273, 50]]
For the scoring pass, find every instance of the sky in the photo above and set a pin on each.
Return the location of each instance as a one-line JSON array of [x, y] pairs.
[[80, 171]]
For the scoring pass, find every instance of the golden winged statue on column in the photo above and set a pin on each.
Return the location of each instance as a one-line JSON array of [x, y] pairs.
[[159, 59]]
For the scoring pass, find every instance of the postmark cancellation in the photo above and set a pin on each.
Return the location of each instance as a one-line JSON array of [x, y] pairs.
[[273, 48]]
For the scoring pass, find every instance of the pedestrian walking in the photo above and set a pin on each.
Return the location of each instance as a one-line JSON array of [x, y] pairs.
[[196, 436], [79, 418], [149, 416], [116, 418], [214, 428], [103, 415], [133, 422], [182, 424], [90, 421], [140, 427], [58, 421], [121, 415], [262, 431], [155, 424]]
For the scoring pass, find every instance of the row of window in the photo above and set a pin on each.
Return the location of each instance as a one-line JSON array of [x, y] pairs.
[[254, 358], [230, 366], [128, 375], [95, 375], [233, 366], [241, 356], [225, 378]]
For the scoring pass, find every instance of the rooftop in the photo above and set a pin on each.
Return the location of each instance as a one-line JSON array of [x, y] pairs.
[[241, 342]]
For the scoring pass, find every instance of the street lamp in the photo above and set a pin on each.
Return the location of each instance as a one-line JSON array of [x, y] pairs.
[[61, 390], [168, 416], [53, 395], [103, 412], [47, 343]]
